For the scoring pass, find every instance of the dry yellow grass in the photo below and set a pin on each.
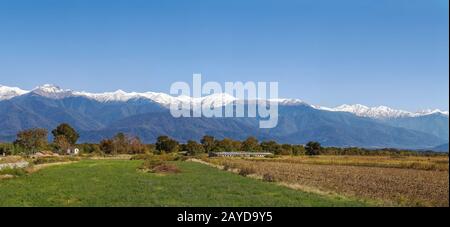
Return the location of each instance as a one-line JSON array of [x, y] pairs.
[[408, 181], [440, 163], [11, 159], [36, 168]]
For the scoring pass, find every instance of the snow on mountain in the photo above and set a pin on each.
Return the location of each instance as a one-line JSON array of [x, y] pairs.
[[10, 92], [161, 98], [430, 111], [372, 112], [381, 112], [289, 102], [116, 96], [216, 100], [52, 91]]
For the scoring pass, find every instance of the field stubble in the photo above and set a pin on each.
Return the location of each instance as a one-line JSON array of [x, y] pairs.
[[405, 181]]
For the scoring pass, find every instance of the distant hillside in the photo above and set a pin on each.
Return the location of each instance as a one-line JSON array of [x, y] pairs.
[[441, 148], [436, 124], [297, 125], [98, 116]]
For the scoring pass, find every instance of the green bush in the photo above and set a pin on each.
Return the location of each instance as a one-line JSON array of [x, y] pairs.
[[181, 158], [10, 149], [13, 171], [167, 157], [45, 160]]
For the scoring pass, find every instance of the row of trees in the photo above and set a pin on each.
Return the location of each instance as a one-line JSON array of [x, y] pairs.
[[122, 144], [210, 144], [33, 140], [65, 137], [165, 144]]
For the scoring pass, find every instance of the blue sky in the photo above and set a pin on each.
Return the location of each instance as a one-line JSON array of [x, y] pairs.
[[373, 52]]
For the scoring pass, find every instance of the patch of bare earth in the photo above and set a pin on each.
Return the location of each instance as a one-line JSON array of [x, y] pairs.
[[396, 186]]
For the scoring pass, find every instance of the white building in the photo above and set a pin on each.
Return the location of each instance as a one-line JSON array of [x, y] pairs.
[[73, 151]]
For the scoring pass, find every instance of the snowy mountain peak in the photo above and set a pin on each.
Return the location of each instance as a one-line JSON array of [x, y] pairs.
[[430, 111], [10, 92], [372, 112], [289, 102], [120, 92], [49, 88], [52, 91], [382, 112], [216, 100], [116, 96]]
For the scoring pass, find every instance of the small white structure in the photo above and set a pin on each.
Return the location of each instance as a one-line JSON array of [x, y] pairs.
[[73, 151]]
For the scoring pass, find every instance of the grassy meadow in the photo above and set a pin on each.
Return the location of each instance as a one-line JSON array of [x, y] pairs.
[[120, 183]]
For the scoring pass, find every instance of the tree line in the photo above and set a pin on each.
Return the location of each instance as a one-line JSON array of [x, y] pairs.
[[65, 137], [33, 140]]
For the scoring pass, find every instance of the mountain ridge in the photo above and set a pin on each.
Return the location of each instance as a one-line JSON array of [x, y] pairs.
[[102, 117], [53, 91]]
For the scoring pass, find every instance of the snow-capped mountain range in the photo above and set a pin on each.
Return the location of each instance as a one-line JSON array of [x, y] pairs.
[[383, 111], [10, 92], [55, 92], [97, 116]]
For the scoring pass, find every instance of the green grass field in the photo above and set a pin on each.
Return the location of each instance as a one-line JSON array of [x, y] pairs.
[[118, 183]]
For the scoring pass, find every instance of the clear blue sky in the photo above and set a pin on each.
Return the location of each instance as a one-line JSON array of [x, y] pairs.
[[331, 52]]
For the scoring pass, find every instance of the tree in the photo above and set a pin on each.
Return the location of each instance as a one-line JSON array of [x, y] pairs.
[[250, 144], [120, 142], [90, 148], [61, 143], [208, 143], [313, 148], [286, 149], [166, 144], [136, 146], [7, 149], [150, 148], [68, 132], [32, 139], [271, 146], [224, 145], [193, 148], [123, 144], [237, 145], [107, 146], [298, 150]]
